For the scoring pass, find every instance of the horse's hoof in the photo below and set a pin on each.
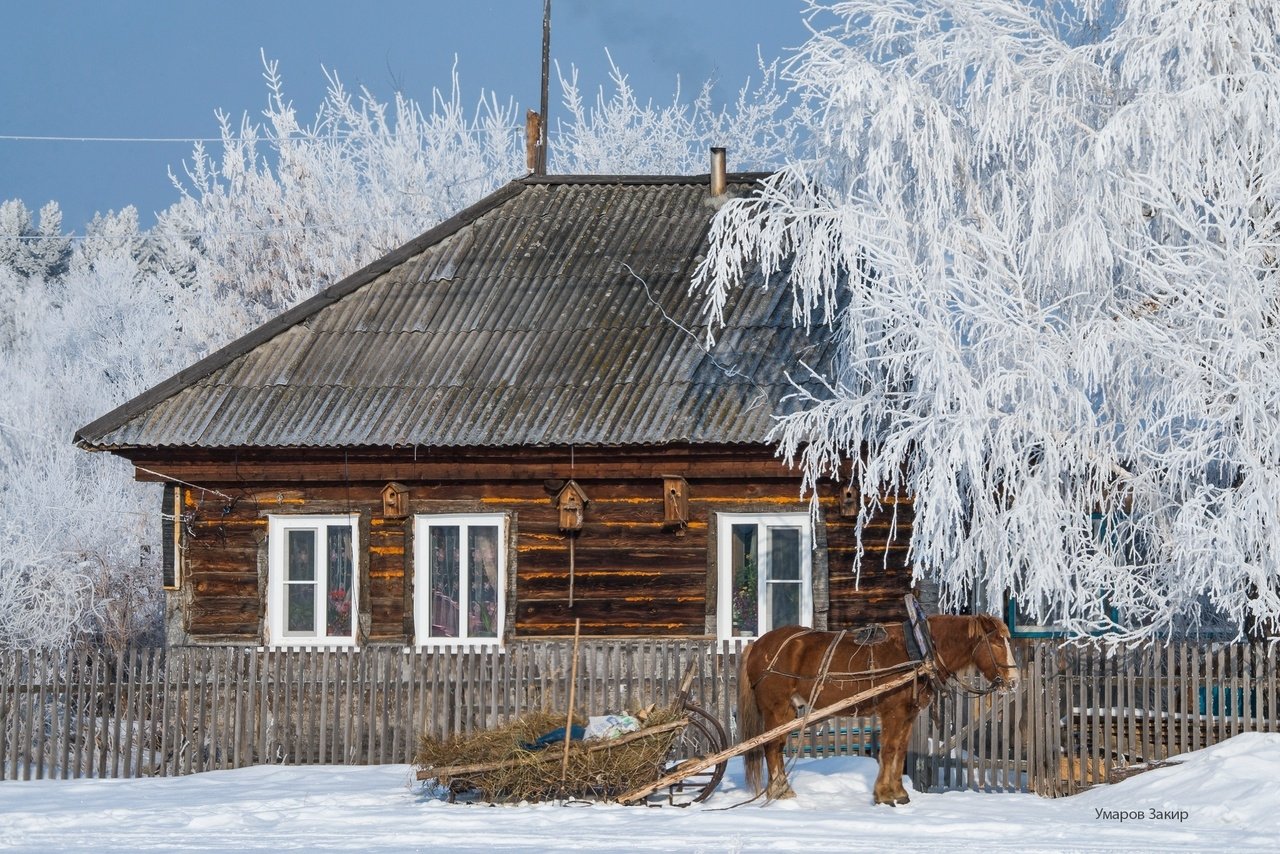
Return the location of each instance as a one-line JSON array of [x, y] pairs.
[[902, 800], [888, 802]]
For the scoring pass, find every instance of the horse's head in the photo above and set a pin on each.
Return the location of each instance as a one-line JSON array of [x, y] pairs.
[[993, 653]]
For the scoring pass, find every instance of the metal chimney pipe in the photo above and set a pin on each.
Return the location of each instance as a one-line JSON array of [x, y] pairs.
[[719, 180]]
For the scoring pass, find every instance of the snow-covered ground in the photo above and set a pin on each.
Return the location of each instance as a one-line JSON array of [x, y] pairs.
[[1225, 798]]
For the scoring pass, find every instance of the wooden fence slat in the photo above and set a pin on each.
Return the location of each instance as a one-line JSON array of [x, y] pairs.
[[142, 743], [1238, 696], [64, 698], [217, 707], [1273, 690], [59, 712], [9, 714], [1139, 730], [29, 717], [1189, 698], [237, 689], [267, 677], [1037, 775], [125, 679], [168, 688], [39, 699], [7, 681], [357, 732], [17, 716], [390, 688], [395, 670]]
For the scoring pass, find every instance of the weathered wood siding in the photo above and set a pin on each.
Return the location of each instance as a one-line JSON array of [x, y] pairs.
[[874, 592], [634, 575]]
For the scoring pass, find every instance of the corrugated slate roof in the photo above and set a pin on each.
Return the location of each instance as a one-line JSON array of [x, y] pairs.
[[515, 323]]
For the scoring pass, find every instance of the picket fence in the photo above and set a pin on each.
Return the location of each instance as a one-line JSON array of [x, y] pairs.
[[1081, 715]]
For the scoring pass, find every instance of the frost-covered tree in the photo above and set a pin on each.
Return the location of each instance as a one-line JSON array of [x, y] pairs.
[[31, 248], [1046, 236], [86, 339], [289, 207], [620, 134]]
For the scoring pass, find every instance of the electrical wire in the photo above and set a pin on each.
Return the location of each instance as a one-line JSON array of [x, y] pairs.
[[13, 137]]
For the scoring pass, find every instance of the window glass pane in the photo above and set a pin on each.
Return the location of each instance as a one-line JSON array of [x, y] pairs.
[[482, 589], [340, 576], [784, 604], [301, 616], [302, 555], [445, 577], [745, 563], [784, 554]]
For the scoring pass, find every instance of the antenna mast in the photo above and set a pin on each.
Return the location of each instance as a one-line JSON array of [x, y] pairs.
[[541, 166]]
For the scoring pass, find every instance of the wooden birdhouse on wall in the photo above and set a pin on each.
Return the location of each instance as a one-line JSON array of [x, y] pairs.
[[848, 501], [571, 501], [395, 500], [675, 500]]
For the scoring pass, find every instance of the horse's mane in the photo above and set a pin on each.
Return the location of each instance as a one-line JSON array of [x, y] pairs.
[[982, 625]]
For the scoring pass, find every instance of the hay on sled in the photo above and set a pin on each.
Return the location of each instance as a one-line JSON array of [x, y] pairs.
[[497, 765]]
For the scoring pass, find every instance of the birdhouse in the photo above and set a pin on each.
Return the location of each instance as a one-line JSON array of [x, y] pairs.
[[848, 501], [395, 500], [675, 500], [571, 501]]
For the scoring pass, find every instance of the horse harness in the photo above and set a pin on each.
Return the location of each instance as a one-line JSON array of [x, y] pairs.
[[921, 654], [824, 672]]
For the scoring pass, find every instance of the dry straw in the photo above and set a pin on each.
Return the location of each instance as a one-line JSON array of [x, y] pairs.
[[495, 765]]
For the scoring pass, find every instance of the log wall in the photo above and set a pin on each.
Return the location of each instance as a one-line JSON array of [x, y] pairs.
[[634, 575]]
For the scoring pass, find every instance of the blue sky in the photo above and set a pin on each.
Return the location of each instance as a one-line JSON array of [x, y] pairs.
[[147, 68]]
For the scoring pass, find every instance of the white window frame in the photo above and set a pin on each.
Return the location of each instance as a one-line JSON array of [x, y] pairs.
[[278, 528], [724, 567], [422, 525]]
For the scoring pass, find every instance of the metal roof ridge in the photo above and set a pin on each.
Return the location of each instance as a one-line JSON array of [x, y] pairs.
[[642, 180]]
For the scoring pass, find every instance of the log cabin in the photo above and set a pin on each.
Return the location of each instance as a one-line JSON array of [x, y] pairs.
[[511, 423]]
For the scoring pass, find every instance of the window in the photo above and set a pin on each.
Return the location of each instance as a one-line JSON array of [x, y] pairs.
[[765, 573], [312, 595], [460, 568]]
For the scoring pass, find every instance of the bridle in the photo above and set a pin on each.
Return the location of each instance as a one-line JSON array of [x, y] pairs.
[[971, 687]]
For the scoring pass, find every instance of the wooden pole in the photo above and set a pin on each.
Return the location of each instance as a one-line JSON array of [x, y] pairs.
[[573, 685], [693, 766], [573, 536], [546, 77]]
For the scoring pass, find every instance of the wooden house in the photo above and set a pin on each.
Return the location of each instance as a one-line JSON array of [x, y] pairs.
[[510, 423]]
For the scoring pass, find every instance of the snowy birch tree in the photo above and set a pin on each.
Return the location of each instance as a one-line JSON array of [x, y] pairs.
[[1045, 235], [619, 133]]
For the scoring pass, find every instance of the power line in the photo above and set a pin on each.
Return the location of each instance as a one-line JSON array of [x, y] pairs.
[[189, 139], [244, 231], [30, 138]]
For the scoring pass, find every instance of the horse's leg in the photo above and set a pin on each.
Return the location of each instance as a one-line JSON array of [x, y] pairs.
[[779, 788], [896, 719]]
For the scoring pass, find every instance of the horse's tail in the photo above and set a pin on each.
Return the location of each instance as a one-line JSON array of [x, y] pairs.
[[750, 724]]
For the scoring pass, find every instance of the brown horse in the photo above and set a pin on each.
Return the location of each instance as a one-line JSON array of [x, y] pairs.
[[779, 669]]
